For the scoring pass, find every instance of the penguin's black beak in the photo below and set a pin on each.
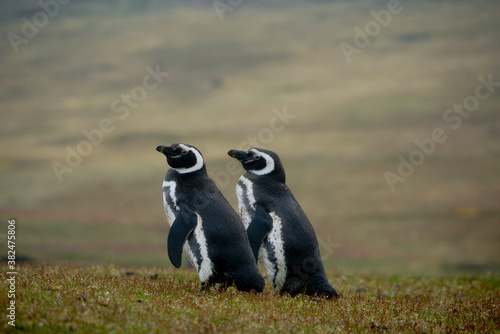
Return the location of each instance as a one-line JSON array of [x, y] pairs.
[[242, 156], [167, 150]]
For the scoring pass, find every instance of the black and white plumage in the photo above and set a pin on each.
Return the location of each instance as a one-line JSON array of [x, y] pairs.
[[204, 226], [281, 236]]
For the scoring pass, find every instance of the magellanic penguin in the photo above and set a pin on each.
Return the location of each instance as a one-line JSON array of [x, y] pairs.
[[204, 226], [281, 236]]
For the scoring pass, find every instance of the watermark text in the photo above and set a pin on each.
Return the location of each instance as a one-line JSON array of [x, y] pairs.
[[11, 274]]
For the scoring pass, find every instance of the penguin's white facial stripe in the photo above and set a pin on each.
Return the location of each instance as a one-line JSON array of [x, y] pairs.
[[185, 148], [199, 160], [256, 156], [269, 163]]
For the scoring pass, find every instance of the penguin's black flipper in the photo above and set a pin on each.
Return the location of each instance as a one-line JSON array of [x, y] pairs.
[[184, 223], [260, 226]]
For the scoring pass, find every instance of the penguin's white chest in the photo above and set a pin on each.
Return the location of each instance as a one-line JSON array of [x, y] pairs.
[[195, 251], [272, 251], [170, 200], [246, 200]]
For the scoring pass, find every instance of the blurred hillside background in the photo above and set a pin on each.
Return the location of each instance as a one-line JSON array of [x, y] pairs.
[[233, 75]]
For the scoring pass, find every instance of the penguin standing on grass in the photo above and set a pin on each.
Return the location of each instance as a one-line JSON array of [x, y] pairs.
[[281, 236], [204, 226]]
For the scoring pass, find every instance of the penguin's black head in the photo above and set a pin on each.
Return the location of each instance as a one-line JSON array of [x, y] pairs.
[[182, 158], [259, 161]]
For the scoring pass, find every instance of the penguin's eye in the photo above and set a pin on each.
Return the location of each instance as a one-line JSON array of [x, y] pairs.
[[184, 152], [256, 157]]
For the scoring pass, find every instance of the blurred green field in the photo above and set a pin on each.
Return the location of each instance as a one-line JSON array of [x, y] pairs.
[[227, 79]]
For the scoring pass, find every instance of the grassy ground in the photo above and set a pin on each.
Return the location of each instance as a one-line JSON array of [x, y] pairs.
[[115, 299], [352, 121]]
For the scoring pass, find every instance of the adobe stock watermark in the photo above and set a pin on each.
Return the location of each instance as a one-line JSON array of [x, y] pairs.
[[12, 272], [48, 9], [327, 247], [277, 124], [223, 6], [453, 117], [120, 106], [363, 37]]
